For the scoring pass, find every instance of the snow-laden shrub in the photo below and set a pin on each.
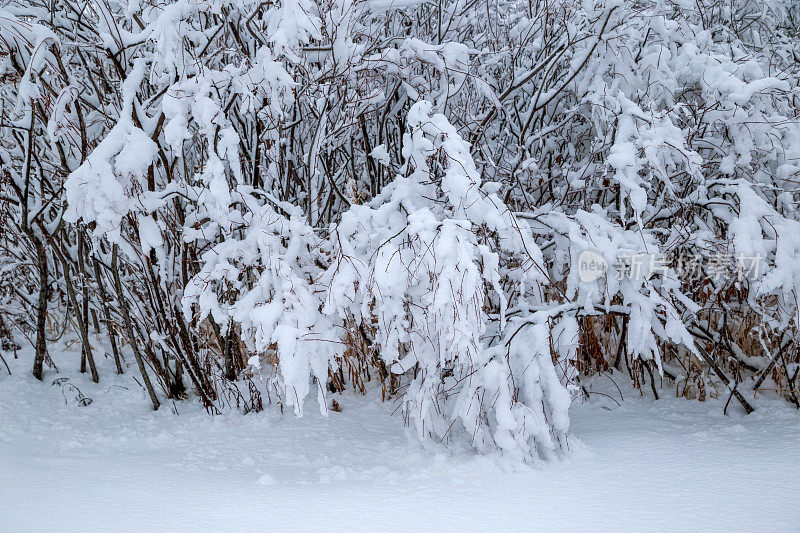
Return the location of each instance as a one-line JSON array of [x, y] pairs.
[[238, 181], [420, 260]]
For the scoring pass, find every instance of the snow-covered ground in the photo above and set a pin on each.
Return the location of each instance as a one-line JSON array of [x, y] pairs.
[[115, 465]]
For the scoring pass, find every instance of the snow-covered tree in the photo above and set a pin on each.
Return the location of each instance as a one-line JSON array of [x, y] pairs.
[[304, 189]]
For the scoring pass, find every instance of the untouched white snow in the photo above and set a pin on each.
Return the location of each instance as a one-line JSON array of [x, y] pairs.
[[667, 465]]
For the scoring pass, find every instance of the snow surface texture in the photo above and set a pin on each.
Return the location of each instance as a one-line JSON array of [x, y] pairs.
[[115, 465]]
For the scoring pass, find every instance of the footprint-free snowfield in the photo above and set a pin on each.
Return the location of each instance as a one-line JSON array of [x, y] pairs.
[[667, 465]]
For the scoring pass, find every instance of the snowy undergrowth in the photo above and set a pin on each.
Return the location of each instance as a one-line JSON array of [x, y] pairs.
[[332, 190], [651, 465]]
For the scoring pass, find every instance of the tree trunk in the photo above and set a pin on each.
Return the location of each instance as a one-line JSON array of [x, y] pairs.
[[41, 309], [82, 326], [126, 317], [112, 338]]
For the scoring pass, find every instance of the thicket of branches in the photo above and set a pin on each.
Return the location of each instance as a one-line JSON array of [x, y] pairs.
[[322, 193]]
